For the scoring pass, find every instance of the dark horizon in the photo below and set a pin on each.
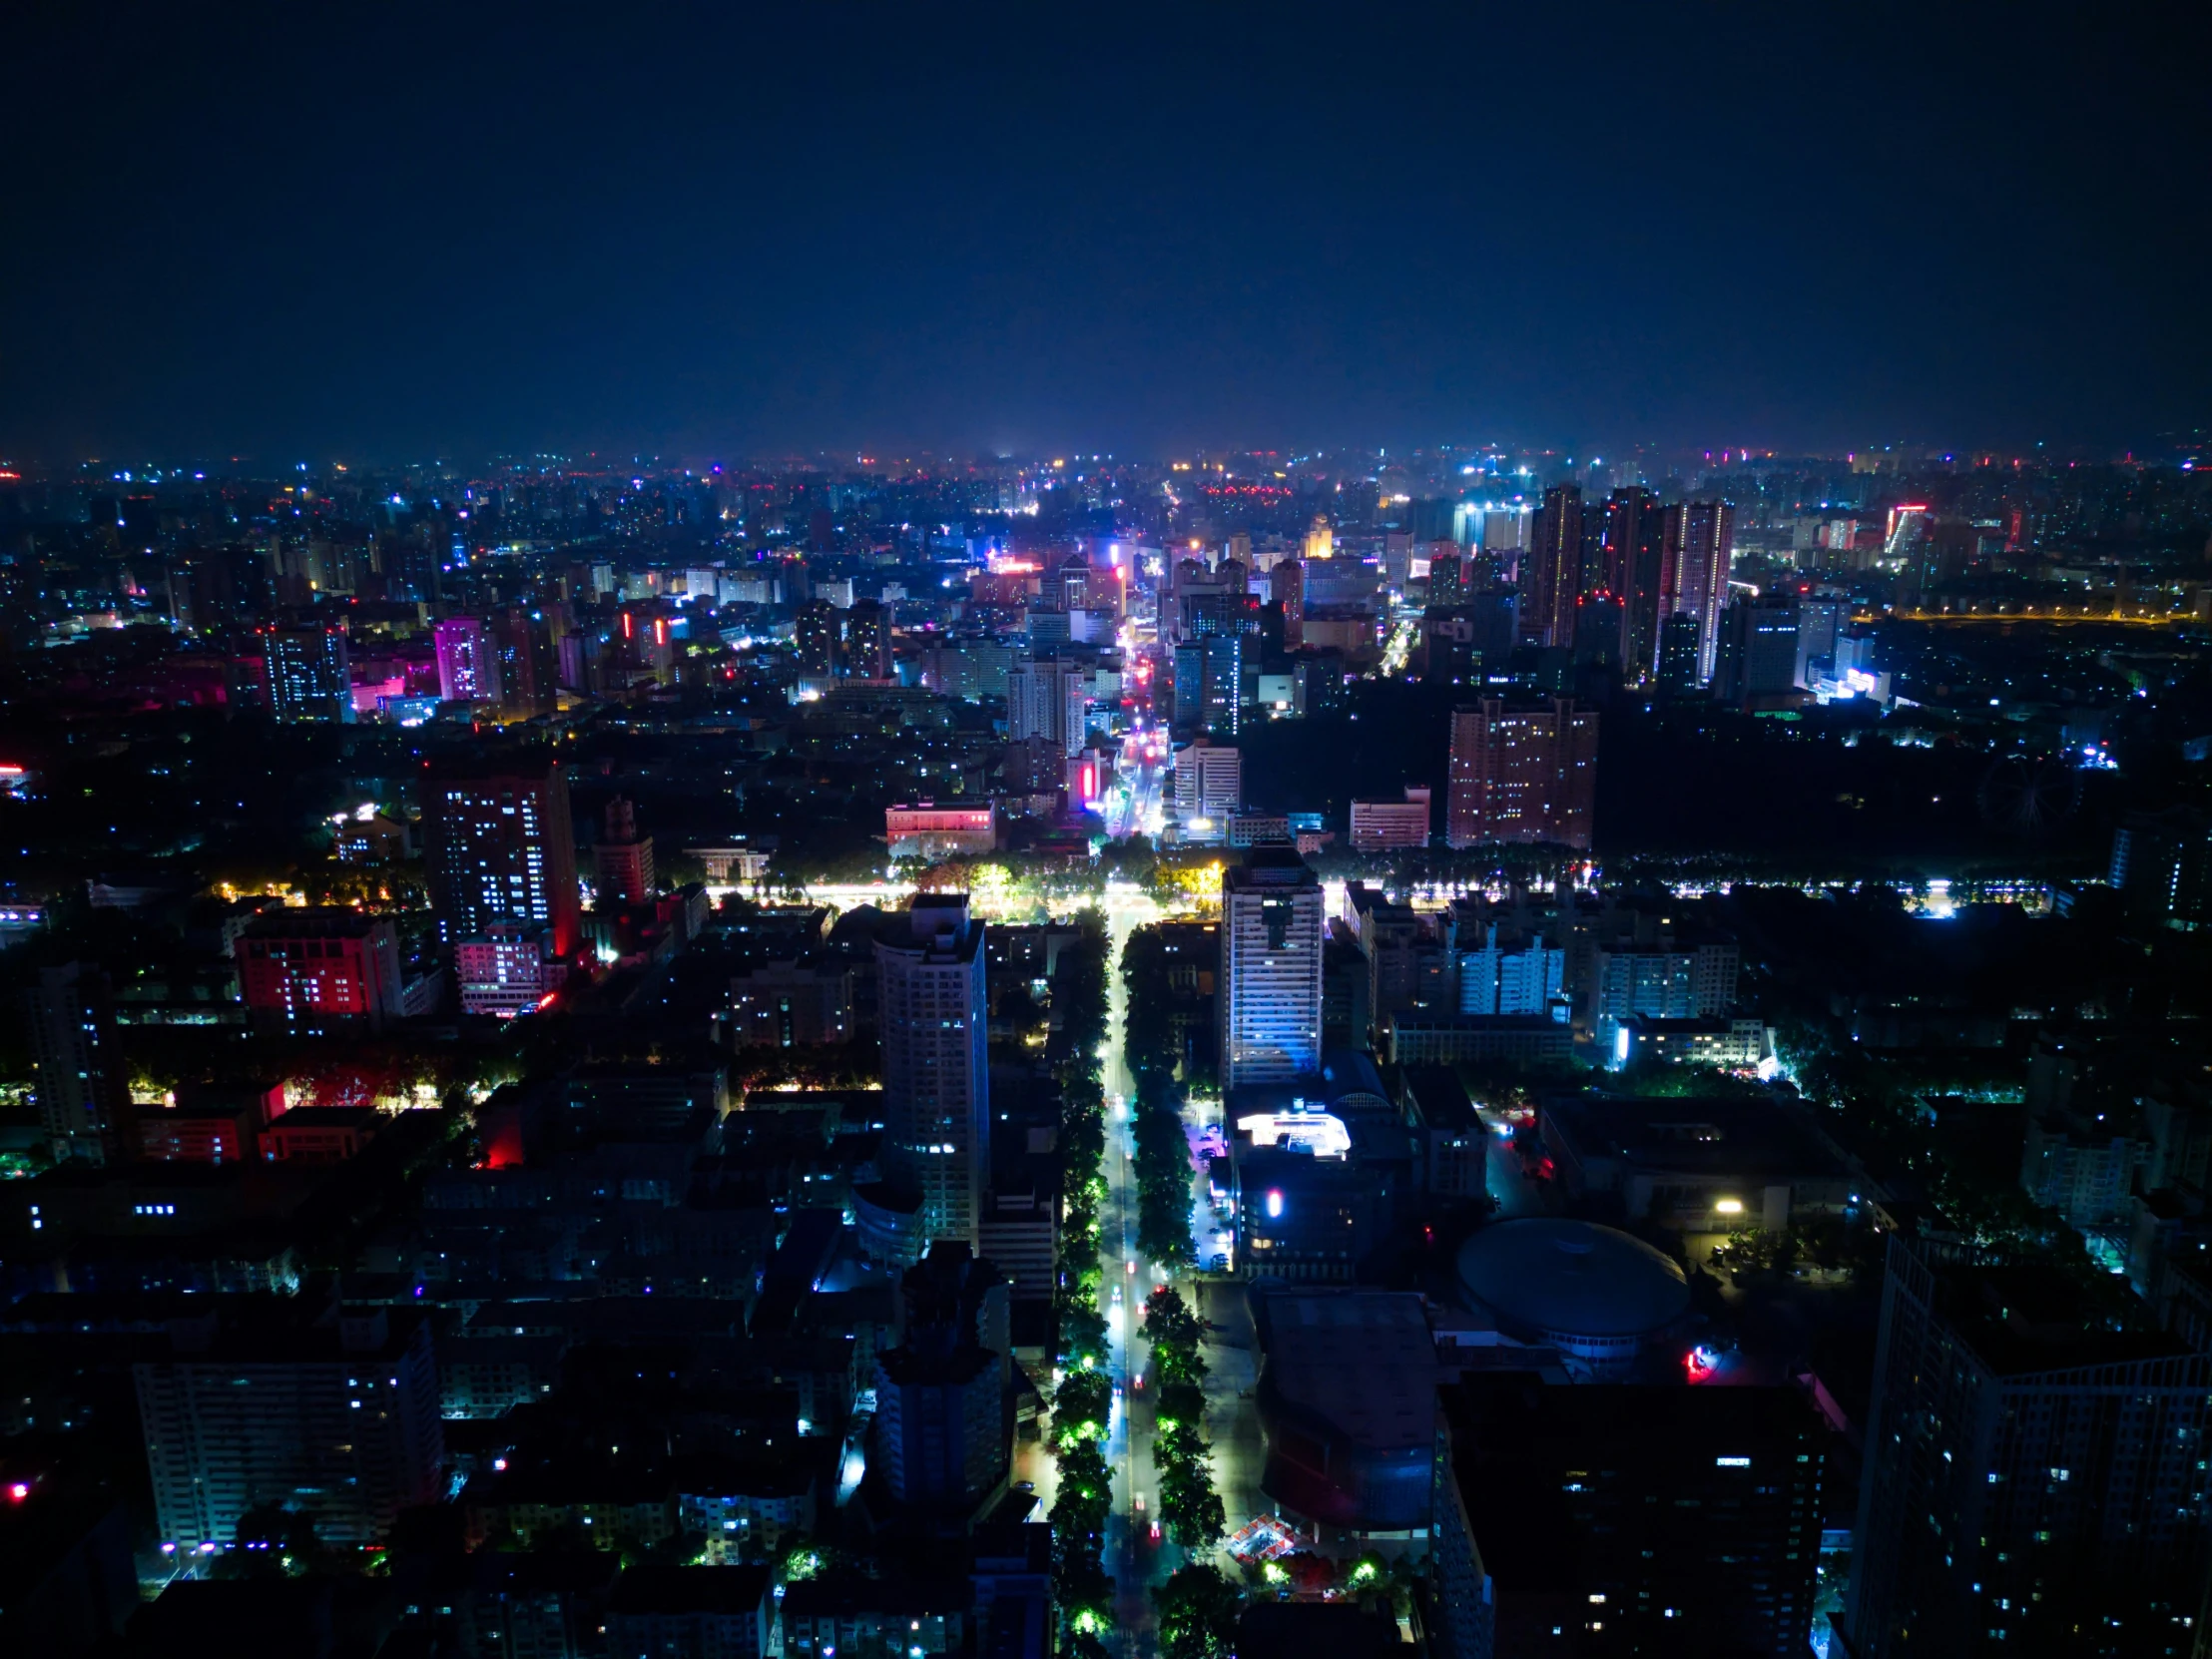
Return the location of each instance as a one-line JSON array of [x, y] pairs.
[[390, 234]]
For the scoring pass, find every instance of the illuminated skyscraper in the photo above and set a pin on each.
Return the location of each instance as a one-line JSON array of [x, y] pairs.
[[936, 1075], [1270, 988], [1704, 538], [1524, 775], [1552, 573], [499, 847]]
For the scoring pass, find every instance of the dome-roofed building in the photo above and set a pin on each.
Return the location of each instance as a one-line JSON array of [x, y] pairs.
[[1593, 1293]]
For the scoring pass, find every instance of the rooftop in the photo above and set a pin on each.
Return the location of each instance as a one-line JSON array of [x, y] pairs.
[[1365, 1362], [1572, 1276]]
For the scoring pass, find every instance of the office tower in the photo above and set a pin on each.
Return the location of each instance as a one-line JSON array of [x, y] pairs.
[[1209, 781], [1286, 588], [2034, 1480], [1758, 654], [499, 847], [303, 673], [944, 1396], [867, 640], [84, 1103], [468, 670], [623, 859], [330, 1411], [1820, 619], [1679, 653], [522, 649], [1049, 699], [1552, 570], [1639, 572], [1522, 775], [315, 971], [937, 1077], [1704, 538], [1269, 987], [1614, 1518], [1209, 685]]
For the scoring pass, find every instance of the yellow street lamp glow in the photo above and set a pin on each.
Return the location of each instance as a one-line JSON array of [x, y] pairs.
[[1730, 1206]]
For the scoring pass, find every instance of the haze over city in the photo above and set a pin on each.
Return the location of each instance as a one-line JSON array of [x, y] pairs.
[[860, 833]]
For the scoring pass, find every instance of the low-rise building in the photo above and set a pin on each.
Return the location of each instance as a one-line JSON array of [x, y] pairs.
[[1705, 1165], [929, 832]]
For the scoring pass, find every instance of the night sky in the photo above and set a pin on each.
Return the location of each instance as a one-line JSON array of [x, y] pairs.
[[387, 232]]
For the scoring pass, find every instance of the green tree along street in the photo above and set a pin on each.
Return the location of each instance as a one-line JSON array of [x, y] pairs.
[[1163, 1151], [1083, 1408], [1189, 1505], [1197, 1608], [1080, 994]]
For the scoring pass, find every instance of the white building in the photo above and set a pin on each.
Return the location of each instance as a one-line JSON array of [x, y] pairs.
[[1209, 781], [1269, 989], [937, 1077], [1049, 699]]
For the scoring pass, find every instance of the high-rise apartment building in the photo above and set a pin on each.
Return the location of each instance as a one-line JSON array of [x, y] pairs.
[[623, 859], [1523, 775], [1758, 651], [2036, 1483], [332, 1412], [867, 640], [936, 1075], [1286, 588], [1552, 568], [1270, 986], [1504, 970], [1704, 538], [468, 669], [1048, 699], [1615, 1519], [84, 1103], [1681, 649], [303, 673], [1639, 572], [527, 668], [499, 847]]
